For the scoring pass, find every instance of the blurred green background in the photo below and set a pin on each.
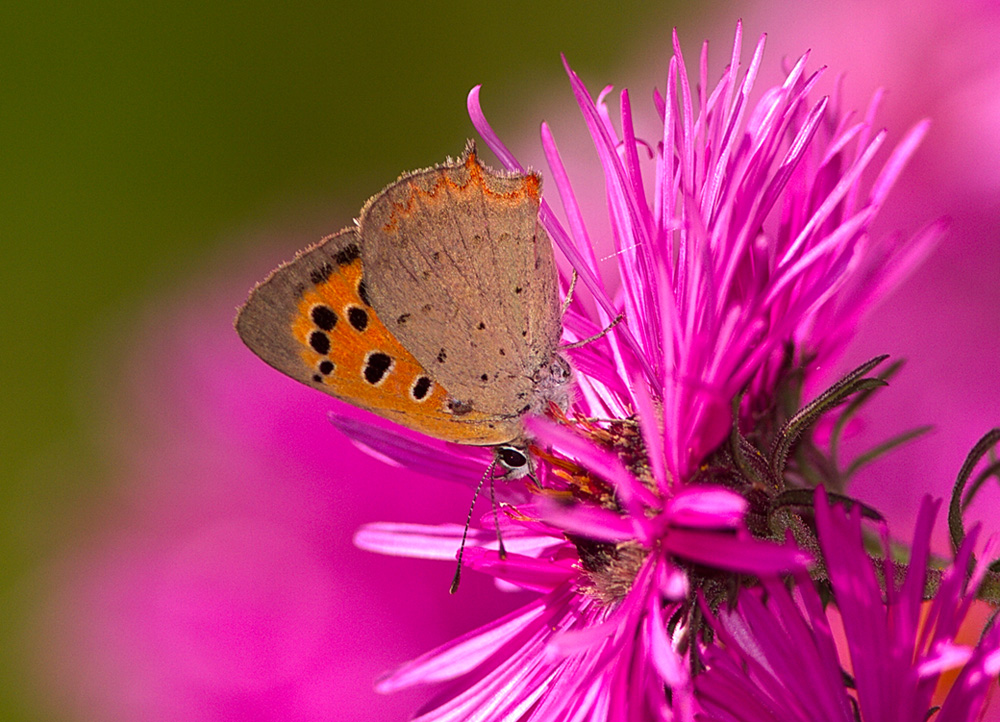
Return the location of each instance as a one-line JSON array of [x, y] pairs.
[[138, 137]]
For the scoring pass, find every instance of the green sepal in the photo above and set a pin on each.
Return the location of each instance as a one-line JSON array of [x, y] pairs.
[[855, 405], [805, 498]]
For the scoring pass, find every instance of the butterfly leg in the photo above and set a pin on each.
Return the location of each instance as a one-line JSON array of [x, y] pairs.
[[596, 336], [569, 294]]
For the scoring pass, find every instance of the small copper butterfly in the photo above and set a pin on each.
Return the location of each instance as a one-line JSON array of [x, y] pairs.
[[439, 310]]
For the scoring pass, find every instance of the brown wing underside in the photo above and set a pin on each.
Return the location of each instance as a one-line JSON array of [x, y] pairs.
[[463, 275]]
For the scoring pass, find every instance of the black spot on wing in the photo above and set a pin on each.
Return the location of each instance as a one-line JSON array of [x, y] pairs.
[[320, 342], [363, 293], [421, 387], [459, 408], [324, 317], [358, 318], [320, 274], [377, 367]]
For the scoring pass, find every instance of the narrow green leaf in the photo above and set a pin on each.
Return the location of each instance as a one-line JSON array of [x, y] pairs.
[[805, 497], [992, 470], [885, 447], [852, 408], [956, 528]]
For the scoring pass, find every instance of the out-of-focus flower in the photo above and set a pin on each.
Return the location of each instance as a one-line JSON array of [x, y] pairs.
[[218, 580], [778, 659], [744, 260]]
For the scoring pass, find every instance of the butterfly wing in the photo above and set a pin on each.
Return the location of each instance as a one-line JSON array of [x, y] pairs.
[[311, 319], [463, 275]]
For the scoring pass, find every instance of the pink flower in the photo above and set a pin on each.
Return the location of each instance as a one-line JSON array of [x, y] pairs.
[[743, 254], [778, 659]]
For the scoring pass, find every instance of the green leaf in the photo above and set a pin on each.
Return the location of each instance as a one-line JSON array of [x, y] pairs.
[[855, 405], [806, 497], [885, 447], [981, 478], [956, 528]]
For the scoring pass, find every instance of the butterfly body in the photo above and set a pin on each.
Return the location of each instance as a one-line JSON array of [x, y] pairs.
[[439, 311]]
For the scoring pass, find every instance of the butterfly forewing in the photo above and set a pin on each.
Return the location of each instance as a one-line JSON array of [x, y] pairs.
[[313, 320]]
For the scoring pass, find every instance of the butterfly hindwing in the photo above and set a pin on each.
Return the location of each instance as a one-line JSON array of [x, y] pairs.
[[465, 277]]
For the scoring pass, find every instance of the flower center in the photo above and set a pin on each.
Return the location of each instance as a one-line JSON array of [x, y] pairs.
[[610, 569]]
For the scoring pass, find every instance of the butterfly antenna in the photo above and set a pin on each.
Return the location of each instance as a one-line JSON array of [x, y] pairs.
[[468, 520], [596, 336]]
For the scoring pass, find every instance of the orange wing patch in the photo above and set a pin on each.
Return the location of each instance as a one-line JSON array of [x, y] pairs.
[[476, 183], [354, 357]]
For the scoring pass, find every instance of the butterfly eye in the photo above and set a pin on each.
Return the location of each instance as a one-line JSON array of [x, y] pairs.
[[511, 458]]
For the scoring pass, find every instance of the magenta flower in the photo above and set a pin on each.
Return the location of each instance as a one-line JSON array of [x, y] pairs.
[[743, 254], [778, 659]]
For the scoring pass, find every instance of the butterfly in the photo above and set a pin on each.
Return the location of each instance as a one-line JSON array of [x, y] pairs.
[[438, 310]]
